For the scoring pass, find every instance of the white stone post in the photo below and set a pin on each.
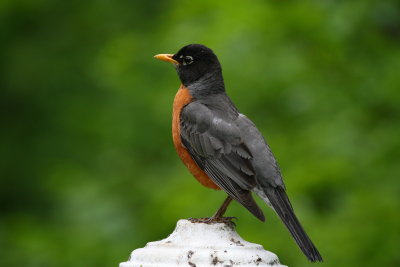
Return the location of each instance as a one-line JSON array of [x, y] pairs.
[[201, 245]]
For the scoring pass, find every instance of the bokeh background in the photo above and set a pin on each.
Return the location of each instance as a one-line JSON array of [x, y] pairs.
[[88, 170]]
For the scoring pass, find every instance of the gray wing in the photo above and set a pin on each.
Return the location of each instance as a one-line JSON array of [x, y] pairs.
[[270, 186], [216, 145], [267, 171]]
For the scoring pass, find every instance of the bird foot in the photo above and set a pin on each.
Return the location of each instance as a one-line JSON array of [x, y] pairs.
[[211, 220]]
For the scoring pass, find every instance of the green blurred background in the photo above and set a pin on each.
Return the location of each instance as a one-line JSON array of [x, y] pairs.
[[88, 170]]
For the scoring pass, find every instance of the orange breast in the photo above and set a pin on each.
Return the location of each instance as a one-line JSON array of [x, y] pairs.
[[183, 98]]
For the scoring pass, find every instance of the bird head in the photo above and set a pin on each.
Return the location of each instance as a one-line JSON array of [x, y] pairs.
[[193, 62]]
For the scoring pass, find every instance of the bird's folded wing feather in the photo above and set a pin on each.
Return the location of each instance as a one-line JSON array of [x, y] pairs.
[[216, 146]]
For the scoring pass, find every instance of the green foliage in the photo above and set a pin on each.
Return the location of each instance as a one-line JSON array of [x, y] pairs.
[[87, 167]]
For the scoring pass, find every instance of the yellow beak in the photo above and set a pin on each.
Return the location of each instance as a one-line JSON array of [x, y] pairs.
[[166, 57]]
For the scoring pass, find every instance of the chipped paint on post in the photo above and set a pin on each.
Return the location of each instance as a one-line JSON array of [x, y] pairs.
[[200, 245]]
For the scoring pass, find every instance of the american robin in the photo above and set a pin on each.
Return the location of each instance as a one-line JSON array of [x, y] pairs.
[[221, 147]]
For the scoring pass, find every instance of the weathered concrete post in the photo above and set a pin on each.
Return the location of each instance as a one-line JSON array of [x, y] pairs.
[[200, 245]]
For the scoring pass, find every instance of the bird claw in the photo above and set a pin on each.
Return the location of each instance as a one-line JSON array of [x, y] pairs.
[[211, 220]]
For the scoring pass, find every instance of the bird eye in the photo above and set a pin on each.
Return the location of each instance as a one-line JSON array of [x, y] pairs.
[[187, 60]]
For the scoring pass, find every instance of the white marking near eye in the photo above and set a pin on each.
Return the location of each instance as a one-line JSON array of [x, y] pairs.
[[190, 60]]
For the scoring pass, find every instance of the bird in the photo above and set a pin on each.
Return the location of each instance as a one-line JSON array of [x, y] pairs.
[[222, 148]]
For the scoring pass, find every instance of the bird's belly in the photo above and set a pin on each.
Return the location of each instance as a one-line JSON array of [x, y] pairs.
[[183, 98]]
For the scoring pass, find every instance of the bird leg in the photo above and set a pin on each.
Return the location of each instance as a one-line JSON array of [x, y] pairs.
[[221, 211], [218, 216]]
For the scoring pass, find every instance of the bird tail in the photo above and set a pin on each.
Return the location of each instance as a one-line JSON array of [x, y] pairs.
[[277, 198]]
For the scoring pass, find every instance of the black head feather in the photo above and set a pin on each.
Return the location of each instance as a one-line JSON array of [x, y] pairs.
[[195, 62]]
